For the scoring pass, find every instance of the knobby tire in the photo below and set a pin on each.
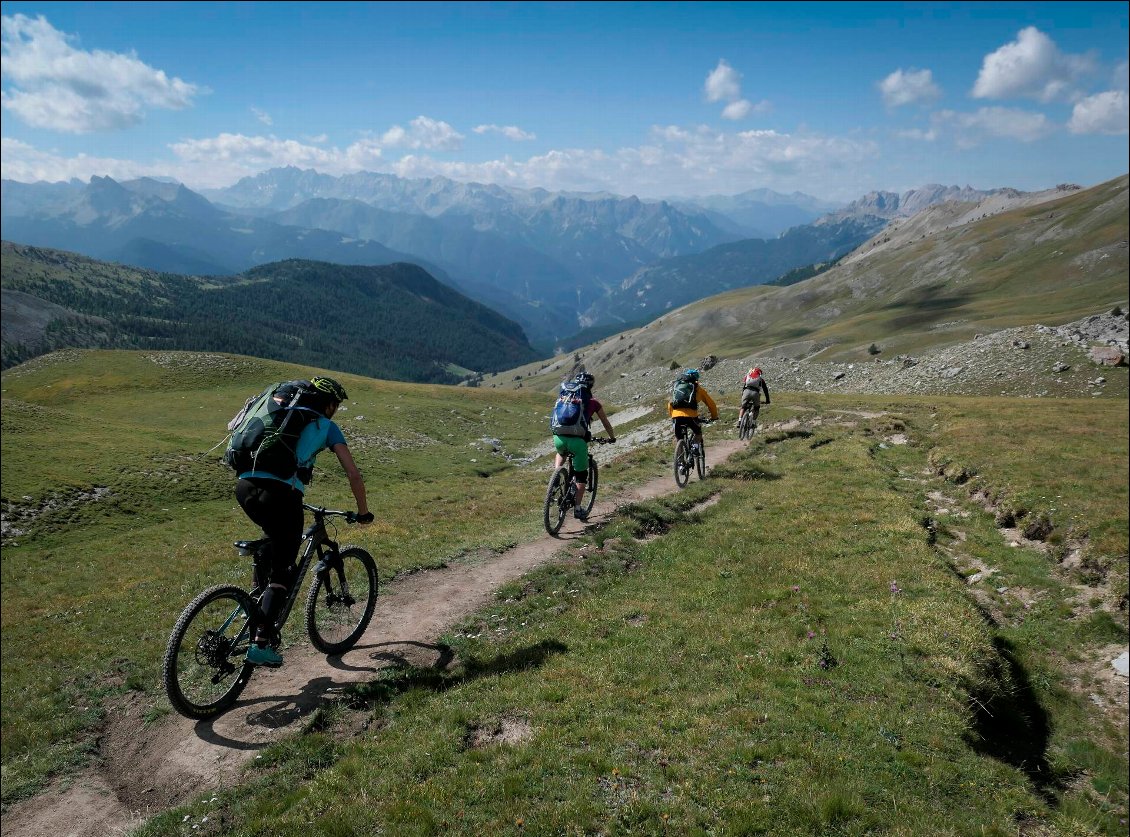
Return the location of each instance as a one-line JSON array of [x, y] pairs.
[[204, 668], [700, 462], [555, 507], [682, 464], [590, 487], [341, 600]]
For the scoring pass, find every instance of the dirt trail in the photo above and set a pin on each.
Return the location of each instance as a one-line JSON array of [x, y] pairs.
[[142, 771]]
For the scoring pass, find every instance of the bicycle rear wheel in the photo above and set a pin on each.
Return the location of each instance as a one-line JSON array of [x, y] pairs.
[[590, 487], [745, 431], [700, 461], [204, 668], [556, 505], [341, 600], [682, 463]]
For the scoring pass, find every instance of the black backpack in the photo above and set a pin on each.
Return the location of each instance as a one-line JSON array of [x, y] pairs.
[[264, 434]]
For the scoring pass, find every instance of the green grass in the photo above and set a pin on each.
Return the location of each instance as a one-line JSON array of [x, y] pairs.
[[804, 656]]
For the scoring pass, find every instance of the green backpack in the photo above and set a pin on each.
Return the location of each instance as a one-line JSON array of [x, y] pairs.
[[264, 434], [683, 392]]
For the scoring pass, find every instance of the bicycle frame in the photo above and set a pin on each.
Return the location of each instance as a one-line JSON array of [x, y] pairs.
[[317, 541]]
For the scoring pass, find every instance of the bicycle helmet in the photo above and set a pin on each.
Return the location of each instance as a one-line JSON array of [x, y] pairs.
[[585, 379], [330, 387], [691, 374]]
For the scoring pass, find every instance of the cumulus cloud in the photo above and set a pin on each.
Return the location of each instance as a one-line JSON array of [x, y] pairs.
[[1103, 113], [423, 132], [54, 85], [918, 134], [724, 84], [263, 116], [908, 87], [509, 131], [971, 129], [1032, 67]]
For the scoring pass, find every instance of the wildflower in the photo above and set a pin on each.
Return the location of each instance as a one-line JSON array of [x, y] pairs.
[[895, 587]]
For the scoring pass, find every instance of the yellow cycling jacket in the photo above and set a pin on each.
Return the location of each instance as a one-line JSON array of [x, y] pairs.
[[692, 412]]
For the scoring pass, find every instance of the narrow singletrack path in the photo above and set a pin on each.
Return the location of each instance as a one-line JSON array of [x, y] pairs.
[[143, 770]]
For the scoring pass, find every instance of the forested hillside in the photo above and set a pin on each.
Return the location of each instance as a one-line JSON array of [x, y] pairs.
[[393, 321]]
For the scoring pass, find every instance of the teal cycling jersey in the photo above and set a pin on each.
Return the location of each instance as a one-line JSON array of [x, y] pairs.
[[319, 435]]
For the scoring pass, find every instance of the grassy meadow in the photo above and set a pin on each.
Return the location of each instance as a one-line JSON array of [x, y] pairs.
[[794, 646]]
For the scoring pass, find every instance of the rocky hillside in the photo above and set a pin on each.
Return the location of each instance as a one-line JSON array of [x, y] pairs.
[[1083, 359]]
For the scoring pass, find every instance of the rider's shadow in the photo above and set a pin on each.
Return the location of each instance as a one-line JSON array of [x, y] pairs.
[[274, 712], [393, 655], [397, 678]]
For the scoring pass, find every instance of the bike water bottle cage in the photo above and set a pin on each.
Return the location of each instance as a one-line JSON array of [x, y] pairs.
[[251, 547]]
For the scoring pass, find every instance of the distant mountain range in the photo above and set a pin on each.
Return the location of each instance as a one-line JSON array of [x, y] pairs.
[[393, 321], [553, 262], [936, 279]]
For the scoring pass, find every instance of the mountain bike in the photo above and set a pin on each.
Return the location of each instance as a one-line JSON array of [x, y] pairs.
[[205, 667], [689, 456], [560, 496], [746, 426]]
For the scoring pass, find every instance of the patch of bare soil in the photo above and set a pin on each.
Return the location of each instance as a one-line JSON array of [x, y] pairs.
[[142, 769]]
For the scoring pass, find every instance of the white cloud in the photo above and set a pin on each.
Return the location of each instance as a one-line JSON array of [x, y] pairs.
[[723, 83], [1031, 67], [262, 116], [509, 131], [738, 110], [1103, 113], [53, 85], [907, 87], [971, 129], [918, 134], [423, 132], [673, 160]]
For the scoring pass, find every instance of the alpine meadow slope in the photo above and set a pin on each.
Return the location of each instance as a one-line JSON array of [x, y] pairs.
[[1050, 263], [392, 321]]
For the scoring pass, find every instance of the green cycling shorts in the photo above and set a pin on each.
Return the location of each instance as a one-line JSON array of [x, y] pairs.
[[575, 445]]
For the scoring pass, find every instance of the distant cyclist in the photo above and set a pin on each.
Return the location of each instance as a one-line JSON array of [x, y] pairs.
[[752, 387], [274, 503], [683, 406], [576, 441]]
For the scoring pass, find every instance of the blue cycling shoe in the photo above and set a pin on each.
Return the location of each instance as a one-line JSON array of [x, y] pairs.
[[265, 656]]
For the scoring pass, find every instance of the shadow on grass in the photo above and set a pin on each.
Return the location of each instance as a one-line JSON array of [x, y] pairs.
[[1010, 725], [398, 679]]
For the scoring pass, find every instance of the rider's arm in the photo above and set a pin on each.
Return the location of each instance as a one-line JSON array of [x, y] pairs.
[[705, 396], [607, 424], [765, 386], [356, 481]]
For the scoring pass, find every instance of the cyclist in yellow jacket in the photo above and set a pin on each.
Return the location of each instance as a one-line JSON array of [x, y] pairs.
[[683, 408]]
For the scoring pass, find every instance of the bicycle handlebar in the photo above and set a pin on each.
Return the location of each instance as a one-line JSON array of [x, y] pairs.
[[602, 440], [319, 511]]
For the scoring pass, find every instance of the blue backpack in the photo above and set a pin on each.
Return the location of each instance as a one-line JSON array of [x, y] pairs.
[[570, 412]]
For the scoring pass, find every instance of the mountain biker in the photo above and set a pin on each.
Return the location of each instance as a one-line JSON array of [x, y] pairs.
[[687, 416], [752, 387], [275, 505], [579, 445]]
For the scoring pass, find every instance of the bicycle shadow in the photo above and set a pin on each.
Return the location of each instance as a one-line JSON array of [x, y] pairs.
[[443, 655], [399, 675], [397, 679]]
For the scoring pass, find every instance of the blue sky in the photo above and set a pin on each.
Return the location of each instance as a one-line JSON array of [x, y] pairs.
[[653, 99]]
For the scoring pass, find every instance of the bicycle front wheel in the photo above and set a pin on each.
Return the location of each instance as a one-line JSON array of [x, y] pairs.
[[556, 505], [682, 463], [341, 600], [590, 487], [205, 667]]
